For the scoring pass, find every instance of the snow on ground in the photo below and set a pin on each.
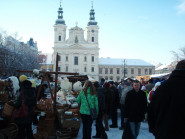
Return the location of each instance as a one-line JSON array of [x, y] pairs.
[[117, 134]]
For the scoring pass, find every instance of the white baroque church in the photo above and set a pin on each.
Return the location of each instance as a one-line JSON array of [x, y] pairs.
[[80, 55], [77, 54]]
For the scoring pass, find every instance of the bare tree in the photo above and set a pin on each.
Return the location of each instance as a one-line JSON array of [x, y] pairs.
[[177, 56], [16, 55]]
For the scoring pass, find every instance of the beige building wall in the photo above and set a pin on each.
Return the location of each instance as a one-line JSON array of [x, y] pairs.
[[116, 73]]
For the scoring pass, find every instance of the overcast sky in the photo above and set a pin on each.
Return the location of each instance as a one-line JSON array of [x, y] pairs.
[[139, 29]]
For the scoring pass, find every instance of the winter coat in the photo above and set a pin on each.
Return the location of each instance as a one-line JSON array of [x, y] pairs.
[[135, 106], [30, 101], [124, 94], [115, 99], [92, 99], [166, 114], [109, 96], [101, 99]]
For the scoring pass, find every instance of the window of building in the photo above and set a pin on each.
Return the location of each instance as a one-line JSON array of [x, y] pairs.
[[85, 69], [117, 78], [92, 58], [92, 39], [85, 58], [100, 70], [139, 71], [111, 78], [150, 71], [106, 70], [66, 58], [132, 70], [92, 69], [59, 58], [106, 77], [111, 70], [146, 71], [58, 68], [75, 60], [118, 71], [59, 38], [66, 68]]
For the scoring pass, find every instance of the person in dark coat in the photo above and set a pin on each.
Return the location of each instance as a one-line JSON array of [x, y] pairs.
[[115, 104], [109, 96], [135, 108], [100, 130], [25, 124], [166, 114]]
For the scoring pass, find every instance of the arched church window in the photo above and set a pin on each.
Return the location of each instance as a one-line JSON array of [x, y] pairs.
[[75, 60], [92, 39], [92, 58], [59, 38], [76, 39]]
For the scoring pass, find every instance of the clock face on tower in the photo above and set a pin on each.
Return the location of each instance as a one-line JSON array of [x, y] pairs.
[[92, 31]]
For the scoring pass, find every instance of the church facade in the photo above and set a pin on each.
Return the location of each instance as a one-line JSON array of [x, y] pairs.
[[80, 55]]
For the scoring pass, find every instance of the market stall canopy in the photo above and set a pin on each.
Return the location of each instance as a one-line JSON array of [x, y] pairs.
[[163, 75]]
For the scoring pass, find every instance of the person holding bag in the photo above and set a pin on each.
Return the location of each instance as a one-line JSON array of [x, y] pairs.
[[87, 95], [25, 101]]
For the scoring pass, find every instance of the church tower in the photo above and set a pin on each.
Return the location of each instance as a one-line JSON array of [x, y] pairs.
[[60, 27], [92, 28]]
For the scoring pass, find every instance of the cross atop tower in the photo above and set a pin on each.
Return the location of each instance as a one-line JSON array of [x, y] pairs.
[[76, 23], [60, 2]]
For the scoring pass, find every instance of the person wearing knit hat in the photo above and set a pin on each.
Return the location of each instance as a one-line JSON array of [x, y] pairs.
[[22, 78]]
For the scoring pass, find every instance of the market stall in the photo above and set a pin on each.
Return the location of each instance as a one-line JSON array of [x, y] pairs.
[[58, 113]]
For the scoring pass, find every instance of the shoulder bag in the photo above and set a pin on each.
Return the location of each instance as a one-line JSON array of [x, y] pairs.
[[93, 111]]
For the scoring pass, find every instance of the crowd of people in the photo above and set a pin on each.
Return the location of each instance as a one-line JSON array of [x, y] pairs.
[[158, 102]]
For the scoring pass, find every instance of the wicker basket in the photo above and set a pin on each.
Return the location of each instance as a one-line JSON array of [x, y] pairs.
[[71, 123], [8, 109]]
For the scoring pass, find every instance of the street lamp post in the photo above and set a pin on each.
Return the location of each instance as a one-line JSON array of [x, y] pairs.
[[124, 72]]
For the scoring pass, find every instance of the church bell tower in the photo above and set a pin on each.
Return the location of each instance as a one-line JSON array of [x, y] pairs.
[[60, 27], [92, 28]]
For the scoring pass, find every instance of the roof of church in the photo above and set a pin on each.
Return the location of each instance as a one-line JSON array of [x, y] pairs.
[[76, 28], [119, 61]]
